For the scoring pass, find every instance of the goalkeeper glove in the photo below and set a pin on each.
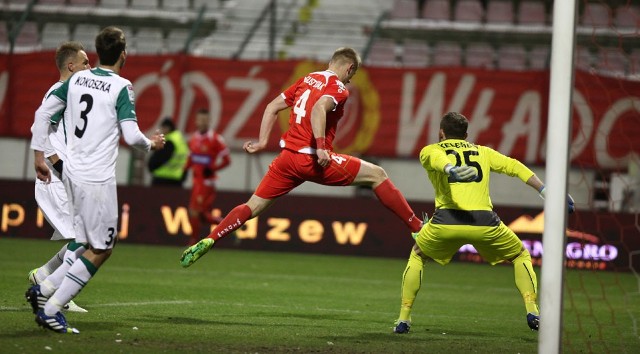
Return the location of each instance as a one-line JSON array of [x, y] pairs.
[[461, 173], [571, 207], [58, 166]]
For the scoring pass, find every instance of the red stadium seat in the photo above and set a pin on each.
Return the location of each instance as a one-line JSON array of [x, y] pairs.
[[531, 12], [500, 11], [596, 15], [627, 17], [480, 55], [415, 54], [404, 9], [512, 58], [468, 11], [447, 54], [436, 10]]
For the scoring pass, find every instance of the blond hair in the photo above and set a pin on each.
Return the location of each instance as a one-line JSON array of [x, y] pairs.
[[346, 54]]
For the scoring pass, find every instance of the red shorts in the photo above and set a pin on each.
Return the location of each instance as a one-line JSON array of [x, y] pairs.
[[290, 169], [202, 197]]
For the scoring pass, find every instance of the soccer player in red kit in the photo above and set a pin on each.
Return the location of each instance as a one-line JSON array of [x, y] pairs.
[[318, 101], [208, 155]]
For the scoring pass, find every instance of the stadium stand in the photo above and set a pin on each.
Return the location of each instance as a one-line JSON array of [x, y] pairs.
[[312, 28]]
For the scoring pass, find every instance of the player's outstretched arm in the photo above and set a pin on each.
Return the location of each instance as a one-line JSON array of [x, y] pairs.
[[539, 186], [268, 119], [134, 137]]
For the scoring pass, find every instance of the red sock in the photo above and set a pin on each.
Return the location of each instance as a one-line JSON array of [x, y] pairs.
[[211, 219], [391, 197], [233, 221]]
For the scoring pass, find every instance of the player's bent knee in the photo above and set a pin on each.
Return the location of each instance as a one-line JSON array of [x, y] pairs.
[[522, 257]]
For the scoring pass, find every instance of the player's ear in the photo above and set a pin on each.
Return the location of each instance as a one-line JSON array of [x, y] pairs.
[[70, 67]]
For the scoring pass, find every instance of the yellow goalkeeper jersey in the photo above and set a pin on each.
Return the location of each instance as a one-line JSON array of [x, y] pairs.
[[467, 195]]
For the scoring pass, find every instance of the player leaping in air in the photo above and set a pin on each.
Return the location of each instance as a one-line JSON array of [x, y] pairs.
[[318, 101]]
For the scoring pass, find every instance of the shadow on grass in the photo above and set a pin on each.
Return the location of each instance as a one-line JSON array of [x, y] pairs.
[[190, 321], [434, 335]]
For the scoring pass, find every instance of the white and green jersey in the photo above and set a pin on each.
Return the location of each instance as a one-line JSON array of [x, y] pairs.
[[97, 102], [56, 132]]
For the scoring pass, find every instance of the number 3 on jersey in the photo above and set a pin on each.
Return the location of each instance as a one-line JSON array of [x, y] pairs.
[[299, 107], [88, 99]]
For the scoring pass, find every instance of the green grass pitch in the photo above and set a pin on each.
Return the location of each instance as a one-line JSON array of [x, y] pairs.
[[142, 301]]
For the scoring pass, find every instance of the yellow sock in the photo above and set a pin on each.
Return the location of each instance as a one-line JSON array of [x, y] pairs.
[[526, 281], [411, 281]]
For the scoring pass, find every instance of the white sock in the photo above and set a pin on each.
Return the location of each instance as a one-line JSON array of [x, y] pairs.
[[75, 280], [53, 281], [51, 265]]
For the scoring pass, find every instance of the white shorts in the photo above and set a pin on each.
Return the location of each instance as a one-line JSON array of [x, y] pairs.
[[54, 203], [95, 212]]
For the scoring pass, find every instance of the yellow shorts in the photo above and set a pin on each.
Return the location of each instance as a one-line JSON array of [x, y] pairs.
[[495, 243]]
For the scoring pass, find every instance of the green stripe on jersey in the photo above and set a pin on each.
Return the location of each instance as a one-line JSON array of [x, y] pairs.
[[125, 106]]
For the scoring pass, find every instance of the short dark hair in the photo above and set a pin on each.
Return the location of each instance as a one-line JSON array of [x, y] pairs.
[[202, 111], [168, 123], [110, 43], [454, 125], [347, 54], [66, 51]]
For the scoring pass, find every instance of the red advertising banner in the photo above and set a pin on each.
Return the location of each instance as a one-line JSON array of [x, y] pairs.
[[349, 226], [391, 112]]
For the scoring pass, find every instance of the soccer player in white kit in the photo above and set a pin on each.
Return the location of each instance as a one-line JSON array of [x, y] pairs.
[[52, 197], [99, 104]]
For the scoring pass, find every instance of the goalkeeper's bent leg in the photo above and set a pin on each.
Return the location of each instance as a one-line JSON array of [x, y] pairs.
[[526, 281], [411, 282]]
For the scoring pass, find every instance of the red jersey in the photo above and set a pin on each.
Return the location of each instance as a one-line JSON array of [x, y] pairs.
[[205, 149], [303, 95]]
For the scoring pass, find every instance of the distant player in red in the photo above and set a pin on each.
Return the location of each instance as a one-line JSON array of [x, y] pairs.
[[317, 102], [208, 155]]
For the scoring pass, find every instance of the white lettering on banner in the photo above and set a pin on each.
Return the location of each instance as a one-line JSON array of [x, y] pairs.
[[4, 85], [480, 120], [201, 80], [167, 92], [525, 122], [607, 122], [430, 108], [574, 250], [258, 89], [580, 141]]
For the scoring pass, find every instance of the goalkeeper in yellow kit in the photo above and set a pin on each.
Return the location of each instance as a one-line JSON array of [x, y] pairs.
[[459, 172]]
